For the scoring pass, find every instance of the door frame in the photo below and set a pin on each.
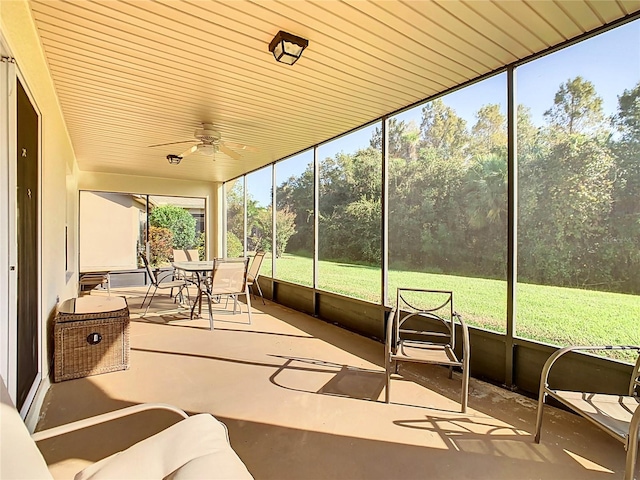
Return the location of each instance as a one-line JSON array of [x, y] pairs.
[[9, 76], [6, 68]]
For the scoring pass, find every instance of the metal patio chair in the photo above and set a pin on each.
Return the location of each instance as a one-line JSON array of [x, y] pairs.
[[165, 283], [229, 277], [618, 415], [180, 255], [422, 329], [254, 273]]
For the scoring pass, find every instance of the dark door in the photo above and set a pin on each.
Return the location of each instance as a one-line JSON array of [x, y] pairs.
[[27, 231]]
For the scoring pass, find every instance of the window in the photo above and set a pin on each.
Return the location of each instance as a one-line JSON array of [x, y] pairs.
[[448, 200], [579, 184], [349, 231], [259, 221], [235, 217], [114, 229], [295, 219]]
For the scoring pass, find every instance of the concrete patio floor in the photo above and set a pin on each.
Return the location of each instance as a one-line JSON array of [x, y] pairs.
[[304, 399]]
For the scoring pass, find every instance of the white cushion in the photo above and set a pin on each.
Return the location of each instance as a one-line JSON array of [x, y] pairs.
[[197, 447], [19, 456]]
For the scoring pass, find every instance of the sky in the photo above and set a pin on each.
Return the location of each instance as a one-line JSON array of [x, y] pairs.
[[611, 61]]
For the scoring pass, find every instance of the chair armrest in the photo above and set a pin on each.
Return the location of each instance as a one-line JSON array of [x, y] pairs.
[[632, 442], [557, 354], [389, 346], [465, 338], [105, 417], [164, 276]]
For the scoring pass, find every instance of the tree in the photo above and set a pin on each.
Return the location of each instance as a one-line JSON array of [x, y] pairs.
[[235, 214], [443, 130], [528, 140], [486, 191], [626, 212], [296, 195], [348, 180], [485, 196], [285, 229], [576, 107], [628, 117], [489, 133], [179, 221], [258, 226], [565, 228], [404, 139]]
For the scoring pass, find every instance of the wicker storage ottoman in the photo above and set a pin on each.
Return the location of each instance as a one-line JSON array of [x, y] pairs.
[[91, 336]]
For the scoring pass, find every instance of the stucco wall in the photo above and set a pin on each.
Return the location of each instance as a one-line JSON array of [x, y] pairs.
[[109, 225], [58, 163], [61, 179], [211, 192]]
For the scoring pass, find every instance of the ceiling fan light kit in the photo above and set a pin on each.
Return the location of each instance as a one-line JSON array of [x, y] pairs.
[[287, 48], [174, 159]]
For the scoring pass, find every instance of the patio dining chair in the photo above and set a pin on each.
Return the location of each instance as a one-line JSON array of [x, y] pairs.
[[180, 255], [229, 277], [254, 272], [165, 283], [193, 255], [422, 329]]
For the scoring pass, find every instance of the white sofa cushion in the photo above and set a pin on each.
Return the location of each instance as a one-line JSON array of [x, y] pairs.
[[197, 447], [19, 456]]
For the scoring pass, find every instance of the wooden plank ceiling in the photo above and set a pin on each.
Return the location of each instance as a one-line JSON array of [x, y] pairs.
[[133, 73]]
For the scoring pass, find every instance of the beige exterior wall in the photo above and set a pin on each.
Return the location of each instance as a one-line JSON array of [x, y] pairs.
[[211, 192], [58, 166], [61, 181], [109, 225]]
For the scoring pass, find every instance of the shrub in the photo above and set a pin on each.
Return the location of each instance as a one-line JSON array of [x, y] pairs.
[[179, 221], [234, 245], [200, 245], [161, 244]]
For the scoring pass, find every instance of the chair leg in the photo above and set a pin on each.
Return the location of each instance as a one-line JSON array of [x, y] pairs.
[[259, 290], [146, 295], [248, 297], [539, 414], [387, 393], [180, 294], [210, 312], [150, 300], [389, 365], [465, 390]]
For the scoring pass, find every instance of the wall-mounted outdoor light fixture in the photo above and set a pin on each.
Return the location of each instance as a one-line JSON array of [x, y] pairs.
[[287, 48]]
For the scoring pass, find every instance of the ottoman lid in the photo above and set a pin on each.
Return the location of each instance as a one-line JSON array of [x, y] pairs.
[[92, 305]]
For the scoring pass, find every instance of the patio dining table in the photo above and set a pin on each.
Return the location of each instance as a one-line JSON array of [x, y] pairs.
[[200, 270]]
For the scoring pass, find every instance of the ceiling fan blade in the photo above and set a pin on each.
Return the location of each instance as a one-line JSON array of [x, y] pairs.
[[171, 143], [230, 153], [190, 151], [241, 146]]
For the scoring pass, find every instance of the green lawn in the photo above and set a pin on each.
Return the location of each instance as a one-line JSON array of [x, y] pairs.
[[556, 315]]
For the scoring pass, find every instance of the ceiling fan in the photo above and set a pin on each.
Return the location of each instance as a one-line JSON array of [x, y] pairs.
[[208, 143]]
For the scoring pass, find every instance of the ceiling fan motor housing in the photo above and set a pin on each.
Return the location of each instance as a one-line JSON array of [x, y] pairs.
[[207, 134]]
